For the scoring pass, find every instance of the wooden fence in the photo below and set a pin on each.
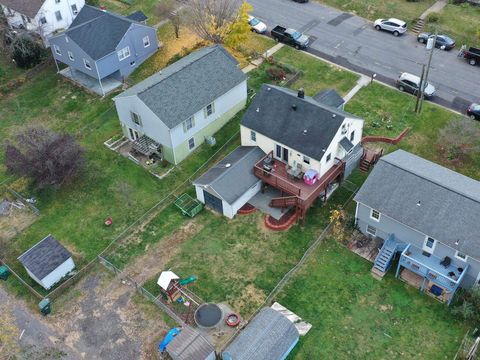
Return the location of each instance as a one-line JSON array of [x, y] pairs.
[[388, 140]]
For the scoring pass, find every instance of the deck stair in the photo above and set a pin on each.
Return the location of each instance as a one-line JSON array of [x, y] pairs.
[[383, 261], [369, 158], [284, 202], [417, 28]]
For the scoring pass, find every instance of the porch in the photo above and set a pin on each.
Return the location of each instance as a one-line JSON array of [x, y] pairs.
[[437, 277], [99, 87]]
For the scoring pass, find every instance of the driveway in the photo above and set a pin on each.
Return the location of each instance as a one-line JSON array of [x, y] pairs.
[[352, 42]]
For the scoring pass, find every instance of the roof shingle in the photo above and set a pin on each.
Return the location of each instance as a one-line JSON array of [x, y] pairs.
[[25, 7]]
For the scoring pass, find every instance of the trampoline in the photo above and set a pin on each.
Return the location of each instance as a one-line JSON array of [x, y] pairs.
[[208, 315]]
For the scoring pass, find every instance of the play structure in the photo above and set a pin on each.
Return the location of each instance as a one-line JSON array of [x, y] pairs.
[[171, 287], [188, 205]]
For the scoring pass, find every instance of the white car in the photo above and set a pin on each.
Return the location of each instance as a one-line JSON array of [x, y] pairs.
[[256, 25], [395, 26]]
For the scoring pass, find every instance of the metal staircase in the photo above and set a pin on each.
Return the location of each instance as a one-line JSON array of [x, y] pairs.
[[385, 256]]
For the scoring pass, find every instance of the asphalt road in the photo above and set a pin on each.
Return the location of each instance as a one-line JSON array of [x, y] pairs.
[[352, 42]]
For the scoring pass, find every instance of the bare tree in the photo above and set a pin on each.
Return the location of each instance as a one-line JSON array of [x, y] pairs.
[[46, 157], [212, 19], [460, 138], [168, 9]]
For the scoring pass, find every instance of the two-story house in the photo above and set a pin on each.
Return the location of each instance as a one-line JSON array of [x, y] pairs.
[[101, 48], [308, 147], [427, 216], [172, 112], [43, 17]]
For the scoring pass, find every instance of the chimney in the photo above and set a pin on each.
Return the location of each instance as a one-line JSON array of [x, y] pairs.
[[301, 93], [294, 107]]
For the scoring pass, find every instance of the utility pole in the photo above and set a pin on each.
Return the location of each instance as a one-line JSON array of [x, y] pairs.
[[424, 81], [417, 104]]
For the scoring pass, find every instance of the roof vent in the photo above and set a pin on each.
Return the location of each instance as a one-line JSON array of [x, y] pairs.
[[294, 107], [333, 115], [301, 93], [269, 88], [305, 132], [258, 109], [227, 165], [419, 203]]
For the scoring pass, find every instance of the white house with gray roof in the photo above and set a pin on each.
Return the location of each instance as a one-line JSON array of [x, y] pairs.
[[43, 17], [47, 262], [101, 48], [430, 216], [172, 112]]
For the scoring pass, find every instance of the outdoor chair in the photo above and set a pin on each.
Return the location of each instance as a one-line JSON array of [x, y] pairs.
[[446, 262]]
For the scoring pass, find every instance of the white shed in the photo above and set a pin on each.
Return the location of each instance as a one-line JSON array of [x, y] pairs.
[[47, 262]]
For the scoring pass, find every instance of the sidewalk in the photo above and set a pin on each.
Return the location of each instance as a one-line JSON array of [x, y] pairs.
[[437, 7], [363, 81], [257, 62]]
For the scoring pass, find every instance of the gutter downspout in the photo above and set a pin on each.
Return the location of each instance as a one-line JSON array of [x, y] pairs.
[[99, 80]]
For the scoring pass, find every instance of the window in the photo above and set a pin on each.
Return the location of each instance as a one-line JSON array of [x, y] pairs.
[[278, 151], [306, 159], [133, 134], [352, 136], [372, 230], [329, 156], [74, 9], [191, 143], [87, 64], [57, 1], [135, 118], [146, 41], [253, 136], [461, 256], [70, 56], [429, 245], [188, 124], [375, 214], [29, 20], [58, 15], [429, 242], [43, 21], [57, 50], [24, 19], [209, 110], [124, 53]]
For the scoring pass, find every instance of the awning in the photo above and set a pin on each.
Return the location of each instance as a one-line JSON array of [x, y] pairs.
[[146, 146], [346, 144]]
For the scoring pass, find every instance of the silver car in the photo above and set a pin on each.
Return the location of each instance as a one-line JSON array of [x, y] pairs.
[[411, 83], [395, 26]]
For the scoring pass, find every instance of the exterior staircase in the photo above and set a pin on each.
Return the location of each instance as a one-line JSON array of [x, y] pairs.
[[383, 261], [417, 28], [365, 164]]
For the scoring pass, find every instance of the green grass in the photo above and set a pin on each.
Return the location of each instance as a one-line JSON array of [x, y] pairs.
[[387, 112], [374, 9], [147, 6], [355, 316], [461, 22]]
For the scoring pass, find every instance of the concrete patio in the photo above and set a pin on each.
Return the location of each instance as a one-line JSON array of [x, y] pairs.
[[91, 84], [262, 200]]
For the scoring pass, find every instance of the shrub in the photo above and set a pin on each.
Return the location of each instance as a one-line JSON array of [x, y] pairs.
[[275, 73], [433, 17], [26, 52]]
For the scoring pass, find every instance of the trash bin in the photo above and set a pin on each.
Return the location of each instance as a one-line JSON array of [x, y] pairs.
[[4, 272], [45, 306]]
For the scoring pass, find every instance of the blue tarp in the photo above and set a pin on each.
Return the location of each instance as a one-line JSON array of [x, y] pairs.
[[166, 340]]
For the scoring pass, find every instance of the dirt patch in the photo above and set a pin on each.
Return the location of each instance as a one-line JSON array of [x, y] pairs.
[[158, 255], [15, 222], [251, 298]]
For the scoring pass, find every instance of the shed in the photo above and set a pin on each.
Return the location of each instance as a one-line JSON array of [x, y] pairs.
[[47, 262], [190, 345], [269, 336], [228, 185]]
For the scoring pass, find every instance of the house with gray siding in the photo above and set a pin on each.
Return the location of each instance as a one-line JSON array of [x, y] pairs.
[[100, 49], [427, 216], [171, 113]]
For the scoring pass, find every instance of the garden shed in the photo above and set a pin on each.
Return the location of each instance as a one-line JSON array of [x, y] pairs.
[[47, 262], [190, 345]]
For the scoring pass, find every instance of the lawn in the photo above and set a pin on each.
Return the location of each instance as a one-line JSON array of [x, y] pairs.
[[355, 316], [387, 112], [123, 7], [460, 22], [374, 9]]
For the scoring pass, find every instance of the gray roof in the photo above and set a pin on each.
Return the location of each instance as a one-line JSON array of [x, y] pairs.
[[25, 7], [189, 345], [137, 16], [449, 202], [230, 183], [269, 336], [329, 97], [188, 85], [271, 113], [98, 32], [44, 257]]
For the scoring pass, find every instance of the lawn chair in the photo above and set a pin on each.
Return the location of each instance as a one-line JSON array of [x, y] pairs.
[[446, 262]]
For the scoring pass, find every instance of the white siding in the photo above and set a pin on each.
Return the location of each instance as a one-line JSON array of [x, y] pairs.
[[57, 274]]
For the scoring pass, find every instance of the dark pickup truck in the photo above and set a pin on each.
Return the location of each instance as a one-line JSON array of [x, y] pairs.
[[472, 55], [290, 36]]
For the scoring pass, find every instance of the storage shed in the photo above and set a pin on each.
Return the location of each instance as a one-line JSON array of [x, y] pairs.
[[269, 336], [47, 262], [190, 345], [230, 184]]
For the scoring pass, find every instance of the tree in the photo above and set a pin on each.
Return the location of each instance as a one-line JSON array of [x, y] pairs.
[[468, 306], [212, 19], [168, 9], [46, 157], [460, 138], [26, 52], [240, 29]]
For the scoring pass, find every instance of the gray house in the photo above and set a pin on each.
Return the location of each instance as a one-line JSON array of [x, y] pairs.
[[101, 48], [428, 217], [171, 113]]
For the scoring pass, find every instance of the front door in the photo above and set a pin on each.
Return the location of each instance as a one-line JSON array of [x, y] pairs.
[[281, 153], [133, 134]]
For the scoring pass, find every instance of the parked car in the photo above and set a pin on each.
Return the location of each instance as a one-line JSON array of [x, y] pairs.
[[472, 55], [395, 26], [473, 111], [443, 42], [290, 36], [256, 25], [411, 83], [301, 1]]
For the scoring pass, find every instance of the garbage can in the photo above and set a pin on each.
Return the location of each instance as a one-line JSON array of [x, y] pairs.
[[4, 272], [45, 306]]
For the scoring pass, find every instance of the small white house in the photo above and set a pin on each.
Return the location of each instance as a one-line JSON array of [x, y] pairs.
[[43, 17], [47, 262]]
